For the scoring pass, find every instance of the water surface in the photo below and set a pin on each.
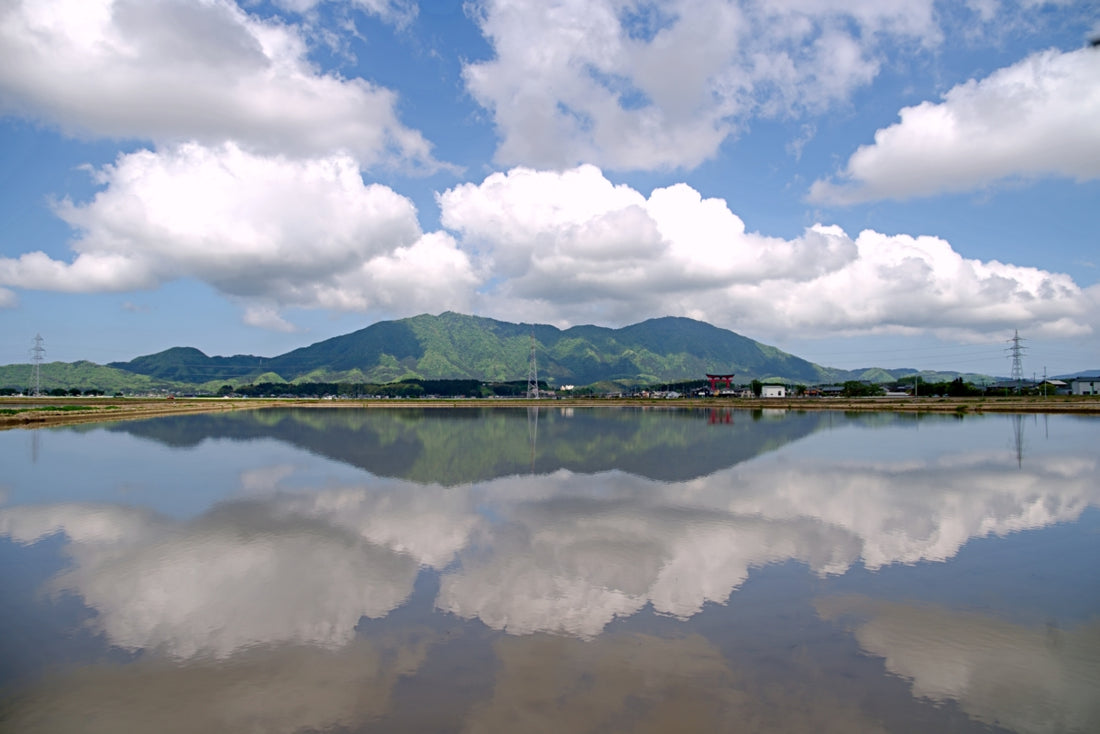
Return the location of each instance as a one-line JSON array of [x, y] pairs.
[[551, 570]]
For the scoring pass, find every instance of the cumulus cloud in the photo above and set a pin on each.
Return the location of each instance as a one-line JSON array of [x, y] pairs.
[[272, 231], [640, 85], [267, 317], [571, 246], [562, 247], [171, 70], [1032, 119]]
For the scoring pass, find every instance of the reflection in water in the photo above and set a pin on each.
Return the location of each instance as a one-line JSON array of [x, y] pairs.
[[1018, 435], [458, 446], [287, 689], [1026, 679], [533, 433], [510, 599]]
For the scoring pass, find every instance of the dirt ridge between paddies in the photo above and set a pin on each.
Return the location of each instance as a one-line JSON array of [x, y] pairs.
[[40, 412]]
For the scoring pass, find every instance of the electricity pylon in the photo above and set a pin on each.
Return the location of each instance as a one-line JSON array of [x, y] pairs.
[[533, 373], [37, 351], [1017, 366]]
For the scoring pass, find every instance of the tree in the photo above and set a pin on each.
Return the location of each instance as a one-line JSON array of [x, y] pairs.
[[856, 389], [757, 388], [960, 389]]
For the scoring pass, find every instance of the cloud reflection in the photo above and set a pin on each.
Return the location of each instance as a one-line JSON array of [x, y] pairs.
[[283, 690], [1032, 680], [570, 554], [564, 553], [236, 577]]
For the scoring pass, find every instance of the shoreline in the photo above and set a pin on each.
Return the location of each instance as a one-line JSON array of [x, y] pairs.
[[43, 412]]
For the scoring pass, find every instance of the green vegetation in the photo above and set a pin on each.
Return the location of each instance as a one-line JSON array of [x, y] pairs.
[[83, 375], [54, 409], [857, 389], [454, 346], [409, 353]]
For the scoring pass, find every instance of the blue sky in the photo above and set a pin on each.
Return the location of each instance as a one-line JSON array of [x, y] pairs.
[[859, 182]]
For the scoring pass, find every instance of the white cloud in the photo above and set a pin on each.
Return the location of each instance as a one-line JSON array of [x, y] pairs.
[[8, 299], [907, 284], [638, 85], [267, 230], [571, 247], [398, 12], [1032, 119], [172, 70], [267, 317], [561, 247]]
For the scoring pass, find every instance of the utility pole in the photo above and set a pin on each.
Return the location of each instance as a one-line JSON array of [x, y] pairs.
[[37, 352], [533, 373]]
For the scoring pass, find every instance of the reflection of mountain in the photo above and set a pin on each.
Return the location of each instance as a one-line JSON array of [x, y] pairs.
[[463, 445], [1028, 680]]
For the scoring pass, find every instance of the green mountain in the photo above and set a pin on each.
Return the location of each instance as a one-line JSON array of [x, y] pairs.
[[187, 364], [82, 374], [452, 346]]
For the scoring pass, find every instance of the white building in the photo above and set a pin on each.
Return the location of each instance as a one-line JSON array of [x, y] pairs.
[[1085, 385], [773, 391]]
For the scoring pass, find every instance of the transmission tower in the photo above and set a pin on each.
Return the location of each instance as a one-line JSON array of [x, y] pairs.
[[37, 351], [1016, 350], [533, 373]]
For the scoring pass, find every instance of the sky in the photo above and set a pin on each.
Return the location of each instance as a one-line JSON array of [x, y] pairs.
[[861, 183]]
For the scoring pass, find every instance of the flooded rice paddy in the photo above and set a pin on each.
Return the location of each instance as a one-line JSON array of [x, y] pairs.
[[557, 570]]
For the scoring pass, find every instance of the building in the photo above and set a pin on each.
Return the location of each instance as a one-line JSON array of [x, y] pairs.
[[1085, 385], [773, 391]]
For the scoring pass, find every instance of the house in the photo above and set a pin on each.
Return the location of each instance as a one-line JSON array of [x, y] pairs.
[[1053, 387], [773, 391], [1085, 385]]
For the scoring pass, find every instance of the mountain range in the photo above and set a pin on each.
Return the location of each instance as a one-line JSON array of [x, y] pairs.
[[457, 346]]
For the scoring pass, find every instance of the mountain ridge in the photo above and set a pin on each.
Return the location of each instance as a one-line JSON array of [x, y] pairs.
[[459, 346]]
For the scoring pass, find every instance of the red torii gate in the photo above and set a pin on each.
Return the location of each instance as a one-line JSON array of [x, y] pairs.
[[715, 379]]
